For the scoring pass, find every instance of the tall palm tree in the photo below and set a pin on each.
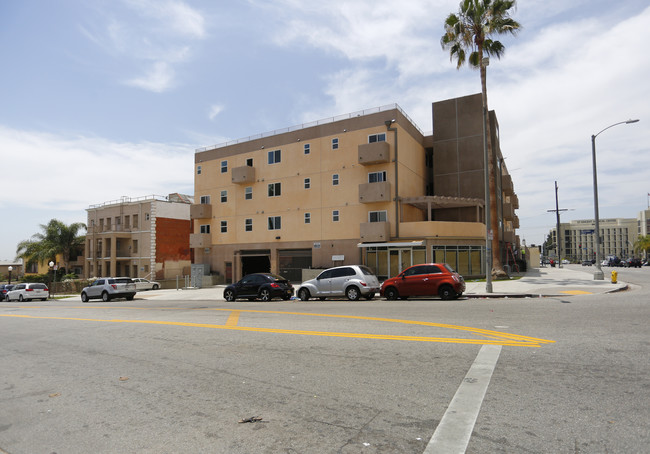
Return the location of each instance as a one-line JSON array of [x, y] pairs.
[[470, 32], [56, 238]]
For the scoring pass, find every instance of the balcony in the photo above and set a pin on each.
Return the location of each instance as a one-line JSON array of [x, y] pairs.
[[243, 174], [508, 211], [374, 192], [200, 211], [506, 185], [371, 232], [200, 240], [374, 153]]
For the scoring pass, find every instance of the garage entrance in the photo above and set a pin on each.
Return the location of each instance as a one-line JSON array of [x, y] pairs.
[[255, 262]]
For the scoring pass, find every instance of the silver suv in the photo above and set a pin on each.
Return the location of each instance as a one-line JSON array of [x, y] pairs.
[[108, 288], [352, 281]]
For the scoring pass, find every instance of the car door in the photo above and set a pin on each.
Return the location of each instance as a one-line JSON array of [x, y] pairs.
[[95, 289], [339, 281], [412, 282], [324, 283]]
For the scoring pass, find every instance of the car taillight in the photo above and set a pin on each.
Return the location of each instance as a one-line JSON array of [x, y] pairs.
[[364, 284], [29, 289], [46, 289], [274, 285], [114, 286]]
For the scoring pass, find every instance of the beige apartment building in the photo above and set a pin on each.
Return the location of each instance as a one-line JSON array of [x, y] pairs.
[[144, 237], [368, 187]]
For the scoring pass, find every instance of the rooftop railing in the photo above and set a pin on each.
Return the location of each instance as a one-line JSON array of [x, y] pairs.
[[324, 121]]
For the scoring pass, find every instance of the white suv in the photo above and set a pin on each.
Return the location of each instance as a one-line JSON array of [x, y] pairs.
[[351, 281], [108, 288], [28, 292]]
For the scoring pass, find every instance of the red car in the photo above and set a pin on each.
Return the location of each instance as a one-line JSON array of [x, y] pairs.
[[428, 279]]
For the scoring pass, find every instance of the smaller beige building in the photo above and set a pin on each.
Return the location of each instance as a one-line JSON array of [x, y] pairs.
[[139, 237]]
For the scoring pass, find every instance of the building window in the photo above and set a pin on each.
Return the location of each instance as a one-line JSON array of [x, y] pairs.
[[224, 166], [198, 170], [224, 226], [307, 148], [376, 177], [307, 183], [127, 221], [378, 216], [335, 143], [248, 193], [205, 228], [335, 216], [275, 156], [275, 222], [249, 225], [249, 162], [205, 200], [275, 189], [381, 137], [135, 247], [135, 221], [335, 179], [224, 196], [307, 218]]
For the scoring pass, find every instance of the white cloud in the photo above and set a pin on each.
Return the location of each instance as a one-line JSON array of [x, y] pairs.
[[215, 110], [160, 78], [172, 15]]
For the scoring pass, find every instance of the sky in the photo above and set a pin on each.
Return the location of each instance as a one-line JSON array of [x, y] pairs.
[[101, 99]]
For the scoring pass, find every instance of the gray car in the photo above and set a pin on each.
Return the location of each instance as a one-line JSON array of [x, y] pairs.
[[351, 281], [108, 288]]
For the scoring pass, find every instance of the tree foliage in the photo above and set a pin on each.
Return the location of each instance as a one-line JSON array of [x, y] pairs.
[[469, 37], [56, 238], [642, 244]]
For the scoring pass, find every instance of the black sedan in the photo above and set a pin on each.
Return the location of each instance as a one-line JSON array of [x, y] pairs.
[[264, 286], [4, 289]]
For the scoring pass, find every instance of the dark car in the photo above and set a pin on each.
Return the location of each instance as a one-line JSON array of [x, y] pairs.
[[4, 288], [429, 279], [264, 286], [631, 263]]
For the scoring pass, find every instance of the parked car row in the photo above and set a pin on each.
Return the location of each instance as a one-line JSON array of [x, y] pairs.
[[353, 282], [626, 263]]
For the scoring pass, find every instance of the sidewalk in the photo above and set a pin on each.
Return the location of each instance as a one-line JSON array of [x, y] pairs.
[[548, 281]]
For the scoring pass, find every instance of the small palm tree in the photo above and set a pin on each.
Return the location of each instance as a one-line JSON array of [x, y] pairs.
[[470, 32], [642, 244], [56, 238]]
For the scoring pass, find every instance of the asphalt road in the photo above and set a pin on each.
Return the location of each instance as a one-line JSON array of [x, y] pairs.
[[549, 375]]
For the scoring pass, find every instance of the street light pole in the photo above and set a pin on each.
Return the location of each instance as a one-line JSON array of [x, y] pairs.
[[10, 269], [486, 164], [598, 275]]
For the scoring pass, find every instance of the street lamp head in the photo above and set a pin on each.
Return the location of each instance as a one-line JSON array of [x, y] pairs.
[[51, 264], [632, 121], [10, 268]]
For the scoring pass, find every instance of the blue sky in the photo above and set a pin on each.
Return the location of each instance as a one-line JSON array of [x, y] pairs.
[[107, 98]]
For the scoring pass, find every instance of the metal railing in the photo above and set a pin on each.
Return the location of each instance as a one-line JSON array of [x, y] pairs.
[[323, 121]]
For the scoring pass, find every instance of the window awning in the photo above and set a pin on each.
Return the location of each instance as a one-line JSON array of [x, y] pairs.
[[395, 244]]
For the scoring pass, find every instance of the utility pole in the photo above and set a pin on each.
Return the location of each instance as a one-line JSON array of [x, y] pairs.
[[557, 231]]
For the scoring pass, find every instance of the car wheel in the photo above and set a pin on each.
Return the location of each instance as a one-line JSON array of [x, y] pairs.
[[446, 292], [229, 295], [304, 294], [391, 293], [105, 297], [20, 298], [370, 296], [352, 293], [265, 294], [84, 297], [155, 287]]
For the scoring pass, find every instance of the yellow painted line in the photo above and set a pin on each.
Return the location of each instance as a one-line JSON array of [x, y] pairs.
[[233, 318], [505, 338], [576, 292]]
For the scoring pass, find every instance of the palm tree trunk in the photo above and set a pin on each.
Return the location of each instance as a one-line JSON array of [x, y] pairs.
[[497, 267]]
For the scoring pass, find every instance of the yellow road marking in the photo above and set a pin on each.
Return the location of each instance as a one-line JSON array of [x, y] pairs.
[[233, 318], [494, 337], [576, 292]]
